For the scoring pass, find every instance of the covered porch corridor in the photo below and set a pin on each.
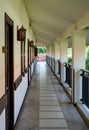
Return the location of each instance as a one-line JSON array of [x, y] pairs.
[[48, 95], [46, 106]]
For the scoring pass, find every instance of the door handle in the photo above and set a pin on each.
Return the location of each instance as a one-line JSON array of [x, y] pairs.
[[6, 88]]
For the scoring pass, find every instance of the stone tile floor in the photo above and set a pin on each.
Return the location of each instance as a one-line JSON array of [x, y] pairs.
[[46, 106]]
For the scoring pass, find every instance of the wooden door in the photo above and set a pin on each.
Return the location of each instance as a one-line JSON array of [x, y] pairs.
[[9, 72], [28, 62]]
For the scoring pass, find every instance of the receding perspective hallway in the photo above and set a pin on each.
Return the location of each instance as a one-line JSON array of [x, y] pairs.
[[46, 106]]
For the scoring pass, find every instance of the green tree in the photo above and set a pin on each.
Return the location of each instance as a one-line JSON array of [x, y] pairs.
[[44, 49], [87, 60], [70, 56], [41, 50], [69, 60]]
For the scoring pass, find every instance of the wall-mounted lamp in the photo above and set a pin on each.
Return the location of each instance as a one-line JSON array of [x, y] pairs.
[[21, 34]]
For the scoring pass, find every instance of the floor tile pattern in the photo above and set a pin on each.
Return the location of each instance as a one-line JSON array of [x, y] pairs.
[[46, 106]]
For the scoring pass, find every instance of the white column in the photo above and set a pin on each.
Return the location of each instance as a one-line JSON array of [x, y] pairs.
[[53, 55], [63, 57], [50, 54], [78, 62], [57, 56]]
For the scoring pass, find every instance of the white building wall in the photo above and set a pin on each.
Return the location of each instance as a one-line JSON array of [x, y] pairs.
[[16, 10], [19, 96]]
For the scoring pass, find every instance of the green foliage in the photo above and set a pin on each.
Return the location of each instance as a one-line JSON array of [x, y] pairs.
[[69, 52], [70, 56], [87, 60], [69, 60], [41, 50]]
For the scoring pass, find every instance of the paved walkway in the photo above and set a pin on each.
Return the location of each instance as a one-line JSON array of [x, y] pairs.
[[46, 106]]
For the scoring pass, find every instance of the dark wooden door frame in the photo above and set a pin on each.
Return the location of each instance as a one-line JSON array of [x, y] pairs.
[[24, 56], [23, 66], [9, 61], [28, 62]]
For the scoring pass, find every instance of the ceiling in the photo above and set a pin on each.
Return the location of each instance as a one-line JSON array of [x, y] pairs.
[[51, 18]]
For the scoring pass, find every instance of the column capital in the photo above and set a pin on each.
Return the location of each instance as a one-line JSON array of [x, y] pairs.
[[79, 33]]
